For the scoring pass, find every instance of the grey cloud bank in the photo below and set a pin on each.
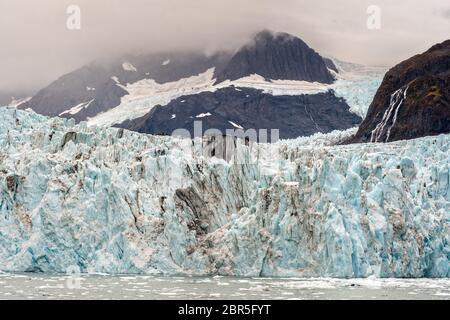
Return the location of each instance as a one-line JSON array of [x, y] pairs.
[[37, 47]]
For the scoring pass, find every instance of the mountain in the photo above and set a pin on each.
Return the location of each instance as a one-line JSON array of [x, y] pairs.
[[114, 201], [277, 56], [96, 87], [274, 82], [300, 92], [14, 98], [247, 108], [413, 100]]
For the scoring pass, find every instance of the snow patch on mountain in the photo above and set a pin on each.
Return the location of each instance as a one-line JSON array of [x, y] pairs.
[[277, 87], [77, 108], [235, 125], [15, 102], [203, 115], [146, 94], [127, 66], [115, 79]]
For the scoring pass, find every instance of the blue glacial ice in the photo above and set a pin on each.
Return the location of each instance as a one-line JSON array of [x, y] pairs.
[[112, 201], [357, 84]]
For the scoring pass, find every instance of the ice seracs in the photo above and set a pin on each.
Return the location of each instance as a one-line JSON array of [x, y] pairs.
[[113, 201], [357, 84]]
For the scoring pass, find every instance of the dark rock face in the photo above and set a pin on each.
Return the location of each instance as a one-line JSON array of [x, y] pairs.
[[277, 56], [294, 116], [413, 101], [71, 90], [94, 82]]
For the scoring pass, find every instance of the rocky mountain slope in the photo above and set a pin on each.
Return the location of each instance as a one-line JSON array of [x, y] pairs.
[[247, 108], [413, 100], [277, 56], [96, 88], [115, 201]]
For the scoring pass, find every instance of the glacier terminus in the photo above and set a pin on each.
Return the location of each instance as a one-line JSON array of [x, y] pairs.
[[108, 200]]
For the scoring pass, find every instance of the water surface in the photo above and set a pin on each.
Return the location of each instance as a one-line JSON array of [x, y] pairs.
[[41, 286]]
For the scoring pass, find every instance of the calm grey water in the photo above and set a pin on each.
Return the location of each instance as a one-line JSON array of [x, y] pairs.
[[39, 286]]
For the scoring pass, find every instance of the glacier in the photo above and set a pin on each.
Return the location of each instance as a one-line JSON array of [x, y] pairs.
[[107, 200], [355, 83]]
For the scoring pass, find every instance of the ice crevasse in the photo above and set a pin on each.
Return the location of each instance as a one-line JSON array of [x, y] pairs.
[[114, 201]]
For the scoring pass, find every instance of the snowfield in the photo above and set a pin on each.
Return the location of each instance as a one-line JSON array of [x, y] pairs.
[[112, 201], [146, 94], [355, 83]]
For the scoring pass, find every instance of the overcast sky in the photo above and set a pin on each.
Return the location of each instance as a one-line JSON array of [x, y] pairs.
[[37, 47]]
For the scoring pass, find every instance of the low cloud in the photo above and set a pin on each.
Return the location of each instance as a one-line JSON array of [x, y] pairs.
[[37, 47], [446, 14]]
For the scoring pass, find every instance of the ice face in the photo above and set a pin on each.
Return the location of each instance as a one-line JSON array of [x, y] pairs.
[[114, 201], [357, 84]]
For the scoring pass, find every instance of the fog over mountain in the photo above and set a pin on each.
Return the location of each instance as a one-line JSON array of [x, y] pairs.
[[40, 48]]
